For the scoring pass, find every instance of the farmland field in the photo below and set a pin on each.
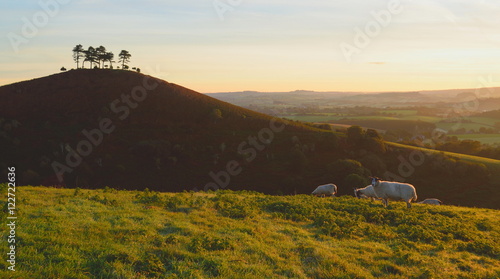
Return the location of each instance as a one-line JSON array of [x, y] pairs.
[[483, 138]]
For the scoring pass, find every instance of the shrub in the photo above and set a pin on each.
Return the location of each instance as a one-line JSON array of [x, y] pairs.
[[149, 197], [419, 233], [481, 246], [289, 210], [103, 200], [151, 266], [206, 243], [232, 206], [339, 224], [173, 203]]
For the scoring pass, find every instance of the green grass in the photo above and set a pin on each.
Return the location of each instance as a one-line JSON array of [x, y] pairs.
[[475, 159], [455, 126], [64, 233], [403, 112], [483, 138]]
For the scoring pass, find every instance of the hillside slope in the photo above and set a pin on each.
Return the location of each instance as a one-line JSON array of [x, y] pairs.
[[67, 233], [97, 128], [141, 132]]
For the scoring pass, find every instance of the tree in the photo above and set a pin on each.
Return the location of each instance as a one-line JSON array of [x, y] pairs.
[[77, 54], [101, 55], [124, 58], [354, 180], [355, 134], [108, 56], [91, 56], [216, 114]]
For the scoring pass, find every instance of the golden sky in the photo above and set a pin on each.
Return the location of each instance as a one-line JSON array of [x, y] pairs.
[[237, 45]]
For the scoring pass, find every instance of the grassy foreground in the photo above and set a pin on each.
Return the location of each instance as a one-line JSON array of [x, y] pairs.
[[68, 233]]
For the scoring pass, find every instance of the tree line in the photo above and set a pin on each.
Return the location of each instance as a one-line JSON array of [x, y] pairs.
[[97, 57]]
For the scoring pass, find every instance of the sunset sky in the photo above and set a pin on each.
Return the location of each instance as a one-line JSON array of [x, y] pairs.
[[277, 45]]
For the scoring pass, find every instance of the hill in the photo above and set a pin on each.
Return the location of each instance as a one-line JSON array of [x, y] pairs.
[[97, 128], [138, 131], [487, 97], [75, 233]]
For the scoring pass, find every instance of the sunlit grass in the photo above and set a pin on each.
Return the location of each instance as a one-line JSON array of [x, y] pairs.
[[68, 233]]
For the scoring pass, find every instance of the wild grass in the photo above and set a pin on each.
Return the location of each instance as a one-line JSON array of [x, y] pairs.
[[68, 233], [475, 159]]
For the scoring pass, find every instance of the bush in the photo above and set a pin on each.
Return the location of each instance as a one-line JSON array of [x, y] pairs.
[[149, 197], [206, 243], [232, 206], [289, 210], [150, 265], [173, 203], [339, 224], [481, 246]]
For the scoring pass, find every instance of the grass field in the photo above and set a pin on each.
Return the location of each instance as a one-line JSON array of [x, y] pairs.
[[68, 233], [327, 118], [483, 138], [475, 159], [474, 122]]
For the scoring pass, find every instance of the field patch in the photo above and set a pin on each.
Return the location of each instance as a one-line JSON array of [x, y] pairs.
[[483, 138]]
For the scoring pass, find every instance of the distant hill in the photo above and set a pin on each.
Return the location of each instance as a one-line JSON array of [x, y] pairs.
[[304, 97], [493, 114], [97, 128]]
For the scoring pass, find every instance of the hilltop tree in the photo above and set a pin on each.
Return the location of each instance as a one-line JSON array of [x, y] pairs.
[[90, 56], [77, 54], [124, 58], [109, 57], [101, 55]]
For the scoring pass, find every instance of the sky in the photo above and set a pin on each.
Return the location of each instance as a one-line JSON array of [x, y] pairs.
[[273, 45]]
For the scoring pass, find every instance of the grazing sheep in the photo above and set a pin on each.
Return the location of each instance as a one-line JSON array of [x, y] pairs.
[[394, 190], [367, 193], [431, 201], [325, 190]]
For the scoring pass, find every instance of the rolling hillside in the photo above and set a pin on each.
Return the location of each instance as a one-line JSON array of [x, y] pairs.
[[97, 128], [165, 137], [78, 233]]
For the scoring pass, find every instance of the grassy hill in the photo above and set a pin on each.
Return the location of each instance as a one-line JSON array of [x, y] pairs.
[[75, 233], [122, 129], [158, 138], [476, 159]]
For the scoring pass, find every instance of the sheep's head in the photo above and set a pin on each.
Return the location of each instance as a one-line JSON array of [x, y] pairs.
[[375, 181]]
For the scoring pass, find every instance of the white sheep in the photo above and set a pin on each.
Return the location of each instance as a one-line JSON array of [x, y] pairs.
[[394, 190], [367, 193], [325, 190], [431, 201]]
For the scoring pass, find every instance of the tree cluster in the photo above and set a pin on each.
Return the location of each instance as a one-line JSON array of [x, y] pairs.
[[97, 57]]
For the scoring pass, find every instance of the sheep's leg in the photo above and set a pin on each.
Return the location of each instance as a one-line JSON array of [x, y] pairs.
[[384, 201], [408, 204]]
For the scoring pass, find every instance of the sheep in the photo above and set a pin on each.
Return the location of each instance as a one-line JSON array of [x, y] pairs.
[[394, 190], [325, 190], [431, 201], [366, 192]]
